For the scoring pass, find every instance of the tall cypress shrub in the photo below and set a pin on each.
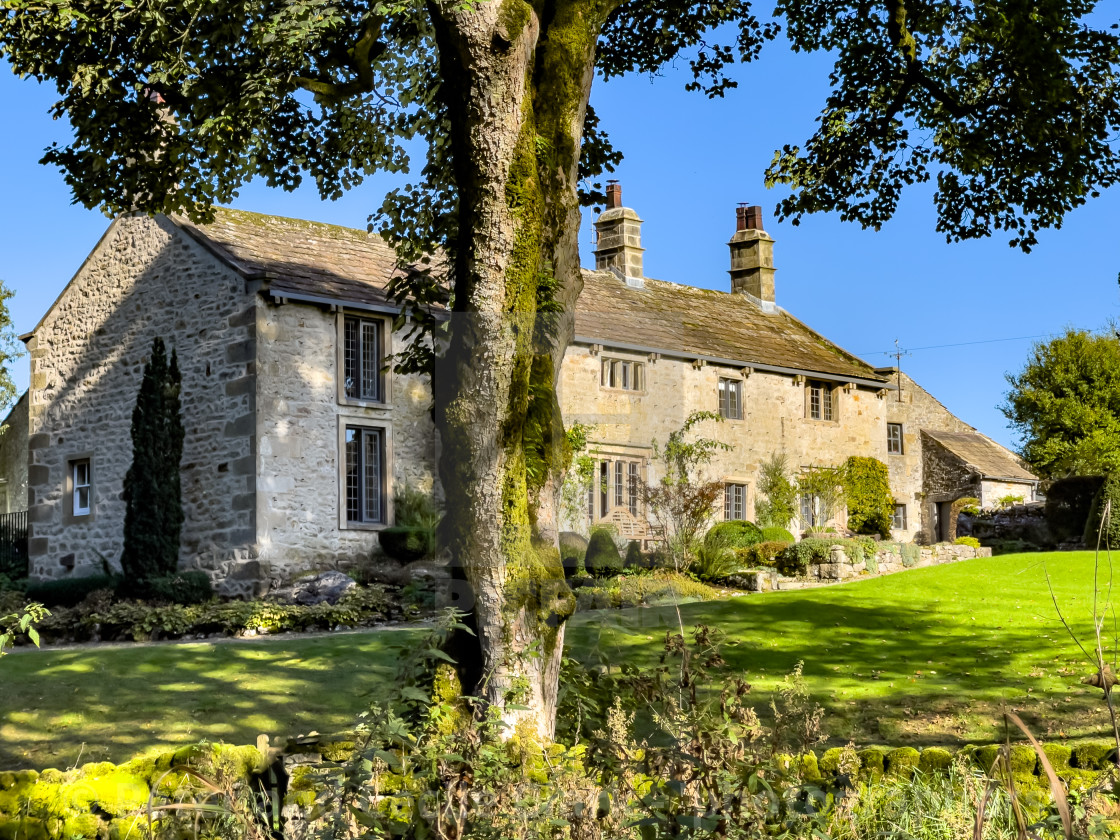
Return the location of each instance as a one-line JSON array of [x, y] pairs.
[[153, 515]]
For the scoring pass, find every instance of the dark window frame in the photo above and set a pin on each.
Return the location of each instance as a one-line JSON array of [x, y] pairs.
[[730, 392], [363, 359], [356, 476]]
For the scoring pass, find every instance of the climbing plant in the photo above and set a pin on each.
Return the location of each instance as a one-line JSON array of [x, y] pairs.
[[867, 489]]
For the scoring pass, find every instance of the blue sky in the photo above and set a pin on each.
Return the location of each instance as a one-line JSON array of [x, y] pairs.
[[689, 161]]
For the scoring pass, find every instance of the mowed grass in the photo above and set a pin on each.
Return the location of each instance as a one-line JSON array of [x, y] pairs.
[[926, 656], [113, 703]]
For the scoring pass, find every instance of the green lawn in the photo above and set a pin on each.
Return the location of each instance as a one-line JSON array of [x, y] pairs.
[[927, 656]]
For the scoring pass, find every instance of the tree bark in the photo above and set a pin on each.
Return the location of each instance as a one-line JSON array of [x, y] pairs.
[[518, 79]]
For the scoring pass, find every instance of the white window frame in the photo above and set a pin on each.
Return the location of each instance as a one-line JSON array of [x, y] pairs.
[[730, 398], [77, 486], [382, 345], [898, 517], [734, 502], [894, 444], [384, 432]]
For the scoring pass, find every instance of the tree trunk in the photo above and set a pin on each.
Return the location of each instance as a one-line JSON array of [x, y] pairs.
[[515, 143]]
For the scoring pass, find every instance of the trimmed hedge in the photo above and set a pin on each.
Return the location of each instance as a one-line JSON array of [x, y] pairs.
[[774, 534], [68, 592], [738, 533], [634, 557], [603, 558], [573, 547], [179, 588]]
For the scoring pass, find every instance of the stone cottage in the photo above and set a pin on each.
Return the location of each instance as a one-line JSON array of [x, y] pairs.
[[297, 436]]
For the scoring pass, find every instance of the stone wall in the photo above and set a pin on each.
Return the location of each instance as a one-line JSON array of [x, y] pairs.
[[626, 423], [13, 458], [301, 410], [991, 491], [890, 558], [917, 409], [145, 278]]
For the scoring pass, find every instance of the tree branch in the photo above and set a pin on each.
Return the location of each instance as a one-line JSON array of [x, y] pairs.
[[367, 49]]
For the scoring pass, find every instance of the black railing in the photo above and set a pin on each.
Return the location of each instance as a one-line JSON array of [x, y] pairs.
[[13, 544]]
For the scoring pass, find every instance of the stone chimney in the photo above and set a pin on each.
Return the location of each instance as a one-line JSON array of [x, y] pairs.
[[752, 257], [619, 233]]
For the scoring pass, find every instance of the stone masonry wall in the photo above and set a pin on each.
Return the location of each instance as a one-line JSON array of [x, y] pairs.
[[917, 410], [301, 411], [145, 278], [13, 458], [774, 416]]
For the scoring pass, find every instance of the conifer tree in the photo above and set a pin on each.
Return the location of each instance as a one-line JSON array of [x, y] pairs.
[[153, 504]]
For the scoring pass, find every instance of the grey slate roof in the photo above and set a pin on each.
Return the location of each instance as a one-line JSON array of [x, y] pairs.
[[985, 456], [301, 259], [311, 260]]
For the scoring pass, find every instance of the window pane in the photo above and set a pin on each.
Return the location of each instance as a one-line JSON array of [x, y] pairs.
[[371, 485], [735, 399], [723, 397], [632, 490], [81, 499], [371, 361], [807, 507], [350, 356], [826, 401], [353, 471], [814, 402], [619, 485], [81, 473], [604, 488]]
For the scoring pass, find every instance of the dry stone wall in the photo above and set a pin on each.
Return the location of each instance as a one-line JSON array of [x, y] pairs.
[[146, 278]]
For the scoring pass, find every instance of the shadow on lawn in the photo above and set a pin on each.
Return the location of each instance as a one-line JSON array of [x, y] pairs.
[[116, 703], [884, 674]]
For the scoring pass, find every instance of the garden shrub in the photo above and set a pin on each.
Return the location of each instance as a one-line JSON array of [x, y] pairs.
[[68, 592], [1068, 504], [573, 548], [738, 533], [969, 541], [716, 559], [1109, 492], [911, 554], [407, 543], [794, 560], [774, 534], [764, 554], [867, 490], [634, 557], [603, 558], [179, 588]]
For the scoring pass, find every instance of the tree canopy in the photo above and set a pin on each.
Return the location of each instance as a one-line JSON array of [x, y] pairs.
[[1065, 405]]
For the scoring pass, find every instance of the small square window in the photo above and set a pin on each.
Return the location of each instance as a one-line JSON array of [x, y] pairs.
[[734, 501], [81, 486], [731, 398], [898, 520], [894, 438]]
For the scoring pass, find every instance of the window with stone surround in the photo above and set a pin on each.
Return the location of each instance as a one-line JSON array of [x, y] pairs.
[[734, 501], [624, 374], [364, 476], [618, 484], [894, 438], [81, 486], [362, 358], [898, 519], [731, 398], [820, 401]]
